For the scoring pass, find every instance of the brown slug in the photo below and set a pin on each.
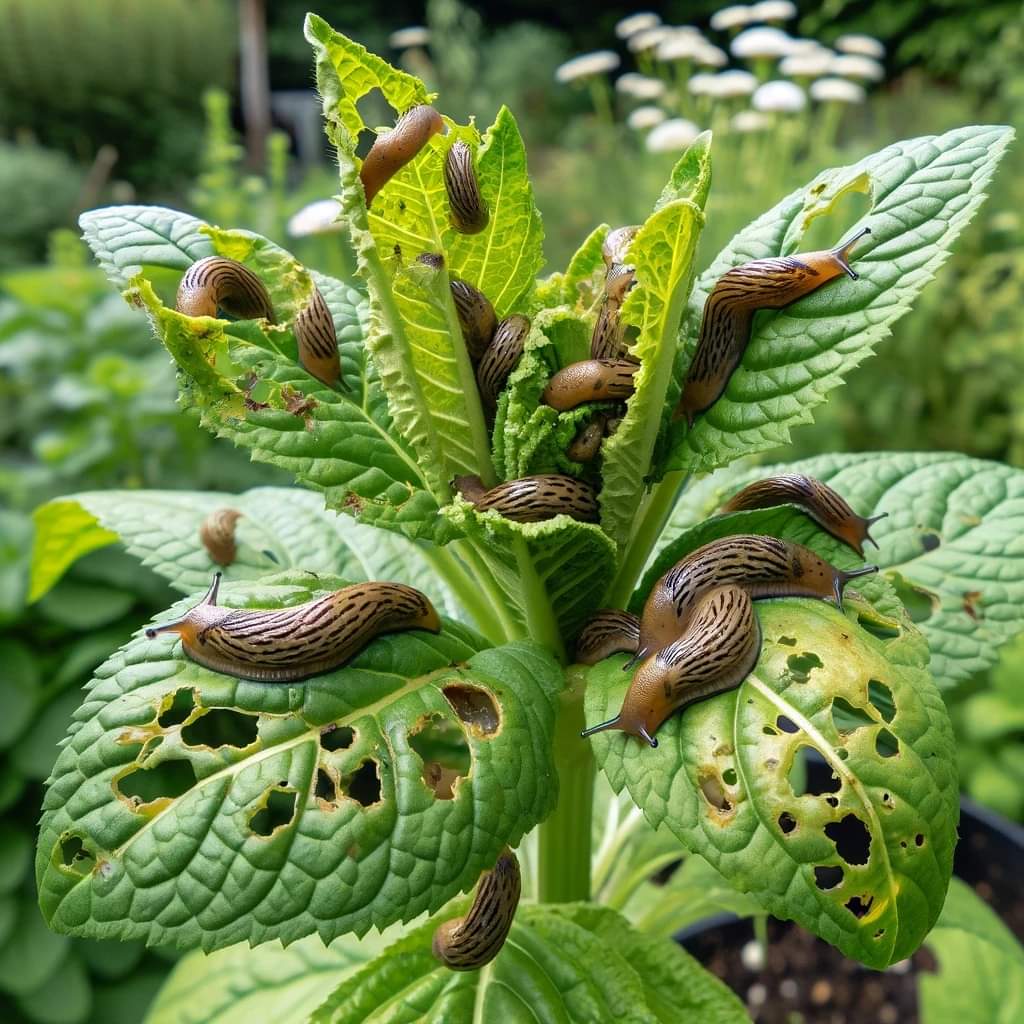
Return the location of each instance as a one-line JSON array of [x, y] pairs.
[[609, 338], [392, 150], [468, 209], [476, 317], [533, 499], [217, 283], [608, 631], [592, 380], [317, 341], [217, 533], [501, 358]]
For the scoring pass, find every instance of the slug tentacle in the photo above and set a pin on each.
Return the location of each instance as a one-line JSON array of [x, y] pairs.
[[317, 341], [609, 631], [217, 283], [592, 380], [217, 534], [534, 499], [392, 150], [468, 209]]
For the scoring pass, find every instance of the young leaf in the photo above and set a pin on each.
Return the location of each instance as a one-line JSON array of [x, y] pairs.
[[864, 861], [587, 263], [194, 808], [573, 962], [923, 193]]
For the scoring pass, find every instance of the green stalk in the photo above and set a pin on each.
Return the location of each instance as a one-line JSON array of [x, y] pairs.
[[510, 628], [540, 616], [468, 589]]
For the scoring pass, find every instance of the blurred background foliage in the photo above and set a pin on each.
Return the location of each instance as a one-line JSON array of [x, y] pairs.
[[138, 100]]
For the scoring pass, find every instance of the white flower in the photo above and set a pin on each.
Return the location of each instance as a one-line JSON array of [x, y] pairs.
[[773, 10], [636, 23], [648, 38], [640, 87], [863, 46], [702, 84], [710, 56], [762, 41], [680, 46], [414, 35], [855, 66], [798, 45], [807, 65], [671, 136], [645, 117], [315, 218], [732, 17], [587, 65], [779, 95], [836, 90], [729, 84], [747, 121]]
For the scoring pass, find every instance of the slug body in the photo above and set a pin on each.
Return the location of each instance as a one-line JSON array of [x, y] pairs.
[[608, 340], [534, 499], [608, 632], [824, 505], [729, 313], [501, 358], [217, 532], [288, 644], [592, 380], [587, 442], [719, 649], [470, 942], [317, 341], [393, 150], [216, 283], [467, 206], [476, 318], [762, 566]]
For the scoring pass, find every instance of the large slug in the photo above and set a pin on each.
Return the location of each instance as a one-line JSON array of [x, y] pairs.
[[392, 150]]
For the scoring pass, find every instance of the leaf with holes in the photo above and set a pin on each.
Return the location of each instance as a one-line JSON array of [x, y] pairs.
[[279, 528], [192, 808], [923, 193], [572, 962], [862, 860]]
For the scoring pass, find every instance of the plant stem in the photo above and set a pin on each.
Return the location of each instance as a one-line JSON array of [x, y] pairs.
[[467, 588], [564, 839], [540, 616], [511, 629]]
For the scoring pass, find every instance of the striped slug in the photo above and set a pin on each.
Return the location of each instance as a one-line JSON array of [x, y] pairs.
[[729, 313], [533, 499], [762, 566], [392, 150], [317, 341], [474, 310], [468, 209], [827, 508], [608, 632], [283, 645], [720, 647], [217, 532], [592, 380], [216, 282], [501, 358], [616, 244], [608, 340], [470, 942]]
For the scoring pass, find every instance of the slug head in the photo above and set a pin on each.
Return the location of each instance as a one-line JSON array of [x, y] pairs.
[[196, 620], [842, 577], [645, 705], [854, 530], [471, 487], [429, 620], [833, 262]]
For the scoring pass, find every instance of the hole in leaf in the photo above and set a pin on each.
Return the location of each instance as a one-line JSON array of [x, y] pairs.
[[852, 839], [443, 749], [919, 839], [73, 853], [270, 554], [886, 744], [325, 788], [787, 641], [729, 776], [363, 785], [930, 540], [169, 779], [848, 718], [786, 724], [337, 737], [843, 753], [222, 727], [826, 877], [178, 708], [474, 706], [879, 933], [769, 731], [802, 665], [277, 812], [714, 792], [804, 782], [921, 604], [859, 906], [832, 801], [787, 822], [881, 699]]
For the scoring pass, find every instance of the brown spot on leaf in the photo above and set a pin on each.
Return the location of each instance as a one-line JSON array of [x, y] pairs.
[[972, 604]]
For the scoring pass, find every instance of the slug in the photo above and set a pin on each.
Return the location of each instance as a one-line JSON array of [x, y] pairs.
[[729, 314], [592, 380], [717, 652], [474, 310], [392, 150], [587, 442], [501, 358], [608, 340], [470, 942], [287, 644], [317, 341], [467, 206], [217, 532], [616, 244], [216, 282], [533, 499], [827, 508], [608, 632], [762, 566]]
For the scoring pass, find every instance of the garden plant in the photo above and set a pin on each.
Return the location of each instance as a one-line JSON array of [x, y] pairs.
[[195, 809]]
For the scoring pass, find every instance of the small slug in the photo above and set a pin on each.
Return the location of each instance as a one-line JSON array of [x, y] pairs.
[[729, 313], [824, 505], [608, 340], [616, 244], [533, 499], [501, 358], [608, 632], [762, 566], [717, 652], [217, 532], [592, 380], [587, 442], [216, 282], [392, 150], [476, 317], [317, 341], [470, 942], [287, 644], [468, 209]]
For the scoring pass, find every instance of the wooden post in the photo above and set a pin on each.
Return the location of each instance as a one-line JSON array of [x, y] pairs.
[[252, 26]]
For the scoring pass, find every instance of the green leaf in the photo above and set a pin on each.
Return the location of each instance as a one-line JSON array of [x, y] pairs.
[[65, 532], [32, 953], [19, 689], [65, 999], [34, 752], [662, 252], [571, 962], [15, 541], [923, 193], [583, 271], [15, 856], [722, 779], [193, 808], [981, 965]]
